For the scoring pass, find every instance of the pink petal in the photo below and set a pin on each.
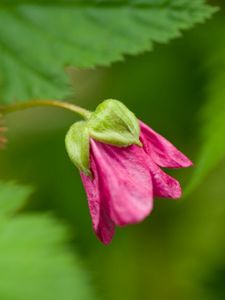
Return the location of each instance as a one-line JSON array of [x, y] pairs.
[[163, 153], [164, 186], [125, 181], [98, 205]]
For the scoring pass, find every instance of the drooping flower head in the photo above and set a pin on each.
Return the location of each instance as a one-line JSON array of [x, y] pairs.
[[120, 160]]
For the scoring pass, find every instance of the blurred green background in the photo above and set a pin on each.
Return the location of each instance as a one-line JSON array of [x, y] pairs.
[[179, 251]]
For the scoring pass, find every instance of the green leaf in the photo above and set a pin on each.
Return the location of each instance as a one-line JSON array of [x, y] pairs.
[[213, 119], [12, 197], [38, 39], [113, 123], [77, 146], [35, 262]]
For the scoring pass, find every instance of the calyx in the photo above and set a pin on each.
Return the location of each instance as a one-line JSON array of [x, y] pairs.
[[111, 123]]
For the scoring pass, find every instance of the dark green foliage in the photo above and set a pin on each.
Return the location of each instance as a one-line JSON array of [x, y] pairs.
[[40, 39]]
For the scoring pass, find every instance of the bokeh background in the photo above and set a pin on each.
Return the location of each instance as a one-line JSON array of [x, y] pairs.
[[179, 251]]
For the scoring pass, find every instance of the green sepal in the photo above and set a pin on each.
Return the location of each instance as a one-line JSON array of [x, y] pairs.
[[113, 123], [78, 146]]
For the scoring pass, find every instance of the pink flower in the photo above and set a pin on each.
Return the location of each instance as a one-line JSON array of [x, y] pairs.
[[119, 159], [126, 180]]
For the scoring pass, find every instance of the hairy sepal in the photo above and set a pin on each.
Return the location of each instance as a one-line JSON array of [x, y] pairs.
[[78, 146], [113, 123]]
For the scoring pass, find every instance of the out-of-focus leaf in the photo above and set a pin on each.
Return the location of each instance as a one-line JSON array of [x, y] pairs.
[[35, 262], [12, 197], [39, 38], [213, 120]]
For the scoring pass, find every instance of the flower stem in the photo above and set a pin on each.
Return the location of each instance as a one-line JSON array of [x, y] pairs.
[[6, 109]]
